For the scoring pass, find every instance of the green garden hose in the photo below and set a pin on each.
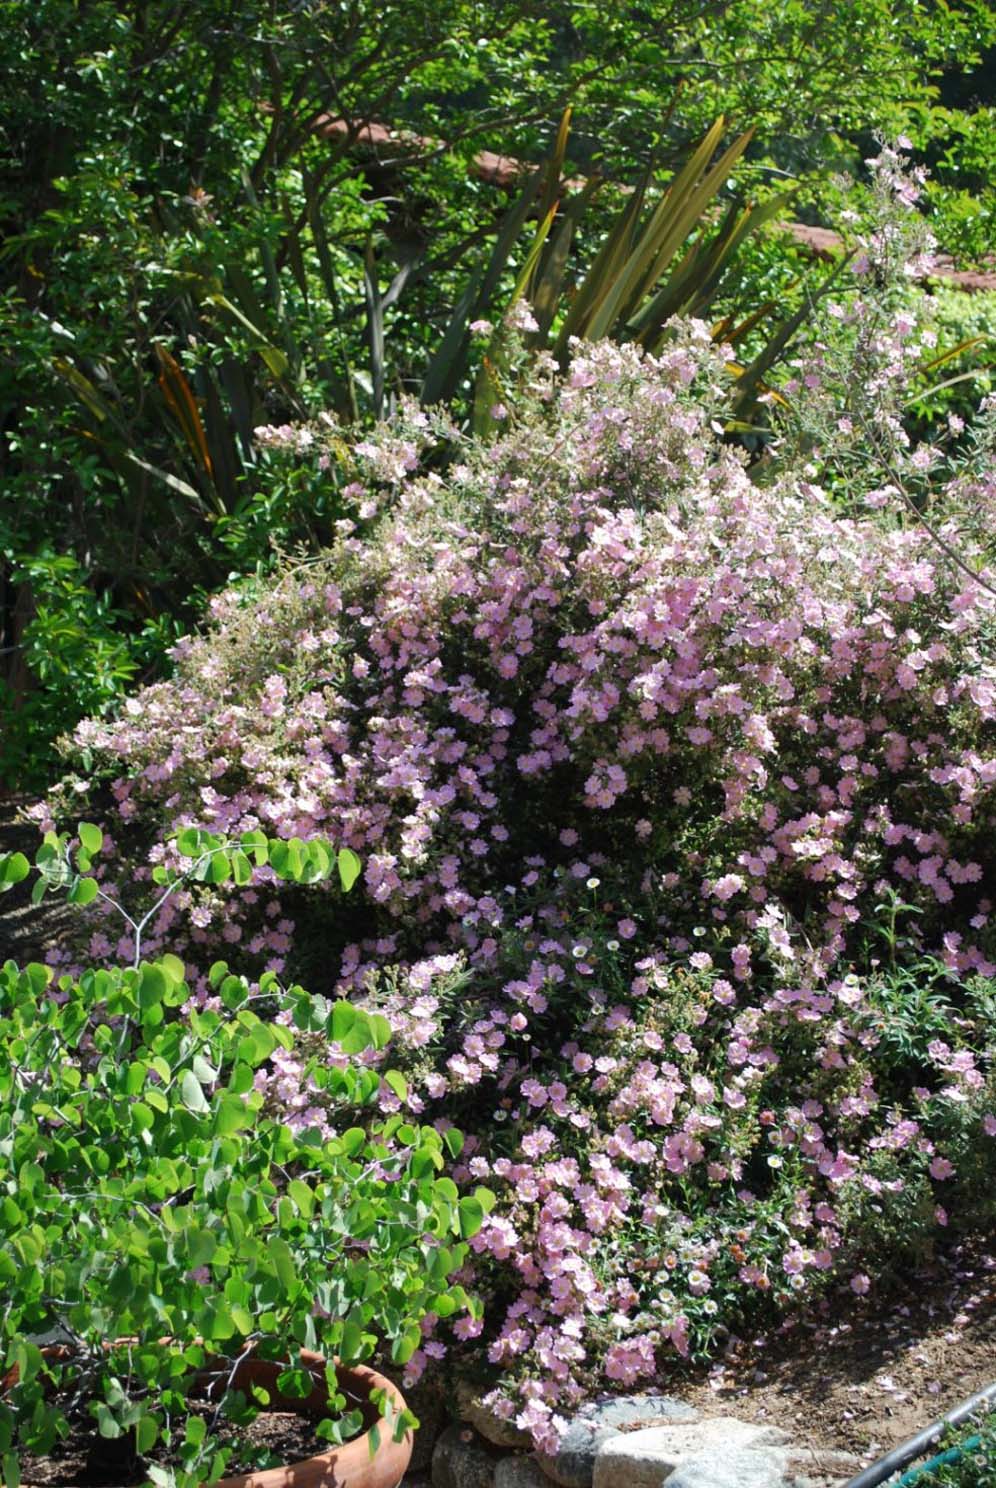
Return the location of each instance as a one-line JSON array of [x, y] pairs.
[[953, 1454], [908, 1451]]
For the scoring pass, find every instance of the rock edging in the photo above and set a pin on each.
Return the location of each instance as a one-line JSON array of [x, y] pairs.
[[634, 1441]]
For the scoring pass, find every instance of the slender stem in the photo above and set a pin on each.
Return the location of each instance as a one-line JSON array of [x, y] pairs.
[[890, 467]]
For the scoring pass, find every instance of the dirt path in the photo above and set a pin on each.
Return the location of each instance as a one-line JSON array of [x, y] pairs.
[[870, 1373]]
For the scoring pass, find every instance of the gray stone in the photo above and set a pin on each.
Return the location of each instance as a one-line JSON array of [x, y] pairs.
[[500, 1433], [645, 1459], [760, 1468], [573, 1465], [521, 1470], [462, 1459], [495, 1430]]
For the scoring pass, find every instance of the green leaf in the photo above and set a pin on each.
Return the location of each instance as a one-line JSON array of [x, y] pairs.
[[152, 986], [280, 858], [243, 1319], [358, 1038], [351, 1343], [380, 1031], [220, 1326], [396, 1082], [296, 1384], [272, 356], [234, 992], [188, 842], [146, 1433], [240, 1082], [196, 1430], [91, 837], [218, 868], [108, 1426], [444, 1305], [14, 869], [191, 1093], [349, 867], [406, 1343], [255, 842], [230, 1114], [344, 1016], [352, 1140], [470, 1214], [172, 968], [283, 1262], [303, 1196], [84, 891]]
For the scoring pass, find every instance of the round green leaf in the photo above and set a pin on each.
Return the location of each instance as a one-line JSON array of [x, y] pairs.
[[14, 868], [91, 837], [191, 1093], [173, 968], [83, 891]]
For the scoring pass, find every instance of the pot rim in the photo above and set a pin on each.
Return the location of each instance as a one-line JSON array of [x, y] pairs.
[[356, 1463]]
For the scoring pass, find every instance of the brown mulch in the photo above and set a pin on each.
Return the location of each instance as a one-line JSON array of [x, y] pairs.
[[871, 1371]]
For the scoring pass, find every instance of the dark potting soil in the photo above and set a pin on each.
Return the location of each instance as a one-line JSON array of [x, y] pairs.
[[87, 1460]]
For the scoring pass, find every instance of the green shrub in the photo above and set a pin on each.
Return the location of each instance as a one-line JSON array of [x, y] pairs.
[[150, 1195], [186, 257], [163, 1213], [674, 789]]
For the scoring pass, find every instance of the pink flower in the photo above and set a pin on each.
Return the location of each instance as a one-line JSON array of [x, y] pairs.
[[724, 888]]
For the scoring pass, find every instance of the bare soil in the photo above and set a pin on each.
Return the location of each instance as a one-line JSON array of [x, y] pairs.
[[868, 1372], [86, 1460]]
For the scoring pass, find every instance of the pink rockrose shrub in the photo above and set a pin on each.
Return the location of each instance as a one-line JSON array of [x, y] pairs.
[[675, 792]]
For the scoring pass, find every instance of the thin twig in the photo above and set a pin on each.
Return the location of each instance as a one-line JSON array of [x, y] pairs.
[[888, 464]]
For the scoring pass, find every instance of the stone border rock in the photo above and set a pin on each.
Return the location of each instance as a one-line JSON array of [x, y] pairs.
[[633, 1441]]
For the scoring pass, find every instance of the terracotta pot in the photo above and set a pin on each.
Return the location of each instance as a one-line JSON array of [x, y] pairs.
[[353, 1465]]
